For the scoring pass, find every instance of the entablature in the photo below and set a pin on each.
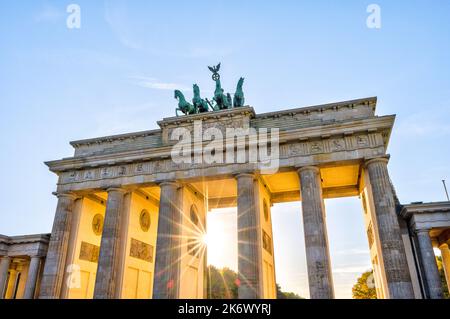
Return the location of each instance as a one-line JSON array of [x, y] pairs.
[[368, 132]]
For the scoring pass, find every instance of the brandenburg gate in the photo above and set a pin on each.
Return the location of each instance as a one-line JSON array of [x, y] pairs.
[[130, 220]]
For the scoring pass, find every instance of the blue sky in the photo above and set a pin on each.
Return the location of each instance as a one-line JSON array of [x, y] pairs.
[[117, 73]]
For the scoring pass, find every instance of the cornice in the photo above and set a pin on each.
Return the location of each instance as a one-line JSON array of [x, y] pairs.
[[25, 239], [111, 138], [424, 208], [321, 107]]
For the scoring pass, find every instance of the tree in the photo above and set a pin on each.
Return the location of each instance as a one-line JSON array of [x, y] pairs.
[[361, 289], [286, 295], [223, 284], [365, 287]]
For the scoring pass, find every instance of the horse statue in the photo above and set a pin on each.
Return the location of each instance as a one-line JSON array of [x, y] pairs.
[[239, 95], [183, 106], [222, 101], [200, 104]]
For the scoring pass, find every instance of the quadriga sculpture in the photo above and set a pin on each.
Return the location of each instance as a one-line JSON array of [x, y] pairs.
[[220, 101]]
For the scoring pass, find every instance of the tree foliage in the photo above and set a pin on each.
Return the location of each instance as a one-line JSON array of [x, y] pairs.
[[365, 287], [223, 284], [443, 280], [286, 295], [361, 289]]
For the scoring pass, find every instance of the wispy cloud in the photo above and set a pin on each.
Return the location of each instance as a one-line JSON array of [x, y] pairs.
[[155, 84], [48, 14]]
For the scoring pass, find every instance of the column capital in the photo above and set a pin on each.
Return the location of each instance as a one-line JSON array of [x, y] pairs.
[[245, 174], [308, 168], [117, 189], [422, 231], [379, 159], [36, 256], [68, 195], [170, 183]]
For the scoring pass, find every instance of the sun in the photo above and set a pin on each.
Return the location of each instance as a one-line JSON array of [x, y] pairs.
[[204, 239]]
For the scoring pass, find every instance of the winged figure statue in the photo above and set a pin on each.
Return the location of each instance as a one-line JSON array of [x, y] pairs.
[[214, 69]]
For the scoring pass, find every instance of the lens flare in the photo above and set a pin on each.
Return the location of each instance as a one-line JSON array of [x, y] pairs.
[[204, 239]]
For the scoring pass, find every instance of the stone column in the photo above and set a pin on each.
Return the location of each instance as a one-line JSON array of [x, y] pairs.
[[429, 266], [33, 271], [168, 250], [445, 253], [11, 285], [57, 249], [109, 258], [395, 264], [248, 241], [4, 267], [316, 239]]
